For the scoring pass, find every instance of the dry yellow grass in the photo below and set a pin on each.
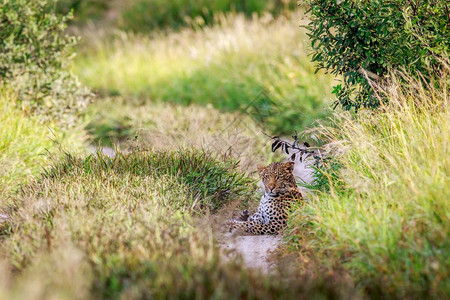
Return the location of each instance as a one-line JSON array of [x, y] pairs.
[[164, 126], [388, 212]]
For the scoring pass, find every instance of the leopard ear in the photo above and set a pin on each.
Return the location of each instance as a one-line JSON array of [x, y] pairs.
[[289, 166], [260, 168]]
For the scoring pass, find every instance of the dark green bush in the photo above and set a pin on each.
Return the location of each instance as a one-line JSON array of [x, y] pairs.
[[363, 40], [33, 55]]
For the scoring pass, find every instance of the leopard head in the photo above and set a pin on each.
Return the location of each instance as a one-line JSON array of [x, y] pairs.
[[277, 177]]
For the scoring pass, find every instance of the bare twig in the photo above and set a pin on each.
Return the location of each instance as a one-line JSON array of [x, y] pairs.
[[297, 149], [369, 74]]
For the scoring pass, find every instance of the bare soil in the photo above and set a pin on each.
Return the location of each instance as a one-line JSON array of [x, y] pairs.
[[255, 250]]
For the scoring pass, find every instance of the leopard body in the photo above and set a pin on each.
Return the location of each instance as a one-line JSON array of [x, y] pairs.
[[280, 191]]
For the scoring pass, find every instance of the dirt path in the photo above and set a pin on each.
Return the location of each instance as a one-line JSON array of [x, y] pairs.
[[3, 217], [255, 250], [105, 150]]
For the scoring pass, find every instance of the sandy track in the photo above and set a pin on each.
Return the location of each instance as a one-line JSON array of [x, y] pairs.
[[255, 250]]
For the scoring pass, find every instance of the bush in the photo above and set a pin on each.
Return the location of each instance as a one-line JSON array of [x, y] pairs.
[[33, 56], [362, 40]]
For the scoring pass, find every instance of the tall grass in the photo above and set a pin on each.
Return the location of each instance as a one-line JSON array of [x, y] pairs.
[[122, 228], [388, 215], [163, 126], [258, 66], [145, 15], [148, 15], [25, 143]]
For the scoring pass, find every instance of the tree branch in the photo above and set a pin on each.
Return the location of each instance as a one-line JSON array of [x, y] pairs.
[[369, 74]]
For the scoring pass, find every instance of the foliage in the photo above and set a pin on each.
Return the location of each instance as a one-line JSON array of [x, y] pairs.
[[33, 55], [296, 149], [323, 163], [251, 66], [386, 217], [363, 40]]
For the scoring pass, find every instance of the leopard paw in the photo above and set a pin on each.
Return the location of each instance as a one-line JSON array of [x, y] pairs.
[[244, 215]]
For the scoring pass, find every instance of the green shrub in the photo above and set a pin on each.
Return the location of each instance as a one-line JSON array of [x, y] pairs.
[[362, 40], [34, 52]]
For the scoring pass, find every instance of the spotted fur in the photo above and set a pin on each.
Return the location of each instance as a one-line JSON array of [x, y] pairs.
[[280, 190]]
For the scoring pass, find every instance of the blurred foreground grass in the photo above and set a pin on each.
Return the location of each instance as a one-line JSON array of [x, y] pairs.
[[259, 67]]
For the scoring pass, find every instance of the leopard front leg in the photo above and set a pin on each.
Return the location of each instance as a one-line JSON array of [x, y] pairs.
[[244, 215], [256, 227]]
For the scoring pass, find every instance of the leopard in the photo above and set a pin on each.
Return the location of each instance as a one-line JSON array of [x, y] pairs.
[[280, 192]]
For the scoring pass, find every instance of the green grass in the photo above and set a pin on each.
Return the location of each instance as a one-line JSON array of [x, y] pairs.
[[259, 67], [185, 107], [123, 228], [145, 15], [387, 217], [210, 182], [163, 126], [148, 15], [26, 143]]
